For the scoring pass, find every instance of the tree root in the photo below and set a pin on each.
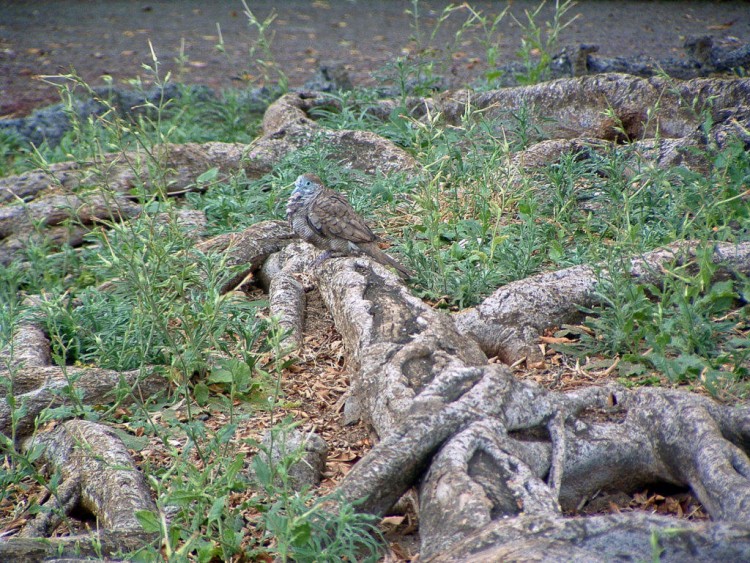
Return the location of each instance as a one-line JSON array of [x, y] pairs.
[[509, 322], [55, 510], [633, 537], [99, 476], [436, 404], [29, 347], [19, 224], [605, 106], [249, 248], [286, 294], [119, 173], [97, 545], [92, 386]]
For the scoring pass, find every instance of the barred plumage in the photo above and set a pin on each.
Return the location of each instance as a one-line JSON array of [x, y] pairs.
[[327, 220]]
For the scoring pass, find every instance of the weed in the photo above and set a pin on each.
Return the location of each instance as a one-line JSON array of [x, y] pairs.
[[260, 51], [538, 46], [489, 26], [306, 528], [11, 150], [685, 328], [424, 68]]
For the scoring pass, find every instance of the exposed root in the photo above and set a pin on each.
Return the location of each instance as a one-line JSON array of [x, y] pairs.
[[509, 322], [92, 385], [97, 474]]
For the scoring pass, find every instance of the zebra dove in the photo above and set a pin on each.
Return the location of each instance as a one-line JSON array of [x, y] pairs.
[[327, 220]]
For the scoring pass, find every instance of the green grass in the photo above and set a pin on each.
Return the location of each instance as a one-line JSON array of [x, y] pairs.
[[462, 225], [471, 232]]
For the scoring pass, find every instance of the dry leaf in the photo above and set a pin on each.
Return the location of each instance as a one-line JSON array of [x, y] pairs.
[[554, 340], [392, 521], [721, 26]]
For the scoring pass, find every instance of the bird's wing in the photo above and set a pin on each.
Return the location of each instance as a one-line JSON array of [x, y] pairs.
[[331, 215]]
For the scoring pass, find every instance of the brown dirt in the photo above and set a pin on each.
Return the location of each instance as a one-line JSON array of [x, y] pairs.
[[49, 37]]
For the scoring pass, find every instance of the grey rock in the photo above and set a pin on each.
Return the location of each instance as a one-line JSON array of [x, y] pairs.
[[330, 77], [52, 122], [258, 97], [308, 471], [720, 55]]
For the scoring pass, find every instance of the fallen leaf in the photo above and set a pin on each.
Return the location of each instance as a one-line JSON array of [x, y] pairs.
[[554, 340], [392, 521], [721, 26]]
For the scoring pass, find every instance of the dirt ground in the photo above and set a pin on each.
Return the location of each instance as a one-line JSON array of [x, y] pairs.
[[98, 37]]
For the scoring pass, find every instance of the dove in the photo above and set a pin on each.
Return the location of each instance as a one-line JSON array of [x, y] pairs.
[[326, 219]]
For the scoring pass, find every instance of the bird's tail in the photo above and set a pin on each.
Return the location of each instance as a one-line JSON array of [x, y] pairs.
[[386, 259]]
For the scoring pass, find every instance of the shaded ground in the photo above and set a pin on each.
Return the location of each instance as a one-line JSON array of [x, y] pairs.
[[96, 38]]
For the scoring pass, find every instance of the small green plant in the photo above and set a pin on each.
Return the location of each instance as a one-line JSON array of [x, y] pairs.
[[309, 528], [11, 150], [427, 63], [538, 45], [260, 51], [489, 29], [471, 233], [656, 547], [162, 283], [688, 328], [685, 328], [203, 523]]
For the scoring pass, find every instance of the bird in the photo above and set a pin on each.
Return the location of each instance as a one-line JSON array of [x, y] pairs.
[[326, 219]]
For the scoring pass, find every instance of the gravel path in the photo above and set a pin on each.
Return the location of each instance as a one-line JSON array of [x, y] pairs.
[[98, 37]]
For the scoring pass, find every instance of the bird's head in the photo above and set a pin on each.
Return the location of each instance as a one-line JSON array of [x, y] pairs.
[[307, 184]]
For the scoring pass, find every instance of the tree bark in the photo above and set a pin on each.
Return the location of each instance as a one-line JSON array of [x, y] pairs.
[[59, 386], [509, 322], [99, 476], [511, 448]]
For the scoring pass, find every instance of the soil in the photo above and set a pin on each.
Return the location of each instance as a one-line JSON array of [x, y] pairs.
[[97, 37]]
